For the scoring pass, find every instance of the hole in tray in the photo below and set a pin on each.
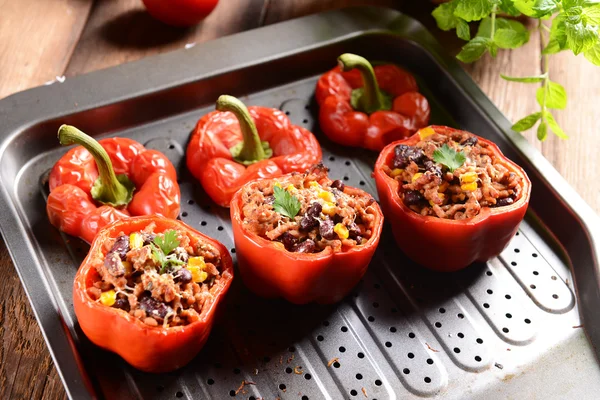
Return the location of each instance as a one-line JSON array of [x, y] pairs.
[[375, 304], [304, 397], [210, 381], [427, 379], [438, 324], [360, 355], [325, 323], [371, 318], [281, 386], [251, 398], [307, 377], [344, 329], [505, 330], [517, 251], [477, 358], [287, 113], [233, 250], [507, 297], [305, 121], [553, 277], [488, 273], [320, 338], [534, 255], [532, 286], [336, 364], [378, 382], [331, 158], [361, 183], [411, 335], [555, 296], [460, 335], [406, 371], [342, 349], [429, 361], [179, 394], [288, 370], [219, 228], [460, 315], [171, 146], [517, 234], [456, 350], [346, 178], [442, 310], [411, 355], [388, 344], [184, 214], [393, 329], [203, 223], [232, 393], [160, 388], [353, 392], [486, 305], [190, 202], [536, 273], [527, 321], [479, 340], [359, 376], [508, 315], [347, 162], [489, 291], [513, 263]]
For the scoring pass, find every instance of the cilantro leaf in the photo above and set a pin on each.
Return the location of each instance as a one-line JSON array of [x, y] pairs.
[[449, 157], [285, 203], [473, 10], [556, 96], [168, 242], [474, 49], [526, 123]]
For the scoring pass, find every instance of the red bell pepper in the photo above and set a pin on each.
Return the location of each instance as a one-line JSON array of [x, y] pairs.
[[365, 106], [235, 145], [271, 271], [147, 348], [448, 244], [100, 182]]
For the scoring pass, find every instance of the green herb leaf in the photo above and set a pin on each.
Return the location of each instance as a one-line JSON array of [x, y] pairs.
[[462, 30], [542, 131], [474, 49], [285, 203], [580, 37], [449, 157], [444, 16], [510, 39], [473, 10], [593, 54], [509, 8], [158, 255], [526, 7], [572, 3], [556, 96], [553, 125], [168, 242], [523, 79], [591, 15], [526, 123], [543, 8]]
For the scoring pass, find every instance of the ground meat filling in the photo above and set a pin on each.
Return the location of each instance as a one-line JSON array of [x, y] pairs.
[[329, 215], [159, 278], [429, 188]]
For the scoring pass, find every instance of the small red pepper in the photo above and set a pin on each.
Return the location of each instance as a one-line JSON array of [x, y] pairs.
[[447, 244], [365, 106], [235, 145], [100, 182], [147, 348], [271, 271]]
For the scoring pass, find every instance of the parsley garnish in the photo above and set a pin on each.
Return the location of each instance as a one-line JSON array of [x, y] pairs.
[[162, 246], [285, 204], [449, 157]]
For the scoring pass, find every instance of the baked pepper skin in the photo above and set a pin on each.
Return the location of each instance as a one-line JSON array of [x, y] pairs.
[[270, 271], [389, 108], [269, 145], [444, 244], [131, 179], [149, 349]]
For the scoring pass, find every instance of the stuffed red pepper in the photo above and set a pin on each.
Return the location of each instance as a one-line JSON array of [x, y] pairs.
[[304, 237], [148, 290], [451, 197]]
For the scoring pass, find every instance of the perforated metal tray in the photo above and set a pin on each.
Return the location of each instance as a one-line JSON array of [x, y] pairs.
[[508, 329]]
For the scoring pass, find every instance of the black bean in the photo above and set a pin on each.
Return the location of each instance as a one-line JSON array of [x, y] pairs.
[[308, 246], [358, 239], [353, 230], [412, 197], [432, 167], [470, 141], [337, 219], [121, 246], [337, 184], [310, 219], [154, 308], [326, 230], [148, 238], [504, 202], [404, 154], [181, 254], [314, 210], [123, 304], [183, 276], [114, 265], [288, 240]]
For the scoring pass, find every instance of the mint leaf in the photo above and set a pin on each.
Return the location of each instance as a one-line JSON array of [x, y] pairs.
[[285, 204], [509, 8], [572, 3], [593, 54], [523, 79], [510, 39], [558, 36], [462, 30], [526, 7], [591, 15], [543, 8], [526, 123], [542, 131], [444, 16], [449, 157], [556, 96], [168, 242], [474, 49], [553, 125], [580, 37], [473, 10]]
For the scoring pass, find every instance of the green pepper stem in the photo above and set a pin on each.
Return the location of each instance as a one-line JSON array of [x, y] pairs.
[[369, 98], [251, 149], [108, 188]]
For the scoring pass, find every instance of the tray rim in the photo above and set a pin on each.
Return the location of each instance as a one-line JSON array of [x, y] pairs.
[[15, 110]]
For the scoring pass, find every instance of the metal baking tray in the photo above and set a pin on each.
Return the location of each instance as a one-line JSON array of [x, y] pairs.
[[524, 325]]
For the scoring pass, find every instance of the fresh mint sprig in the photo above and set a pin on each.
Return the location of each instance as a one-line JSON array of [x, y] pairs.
[[575, 26]]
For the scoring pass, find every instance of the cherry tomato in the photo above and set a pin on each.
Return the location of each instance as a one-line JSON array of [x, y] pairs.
[[180, 12]]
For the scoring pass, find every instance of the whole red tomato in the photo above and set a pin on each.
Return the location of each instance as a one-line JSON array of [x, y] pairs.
[[180, 12]]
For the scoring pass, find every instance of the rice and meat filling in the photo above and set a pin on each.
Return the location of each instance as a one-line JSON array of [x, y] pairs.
[[430, 188], [327, 216], [161, 279]]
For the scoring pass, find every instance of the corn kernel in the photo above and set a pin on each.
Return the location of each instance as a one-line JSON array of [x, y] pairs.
[[329, 208], [197, 274], [341, 231], [441, 196], [128, 267], [314, 184], [468, 177], [108, 298], [443, 187], [290, 188], [426, 132], [277, 184], [327, 196], [396, 171], [469, 187], [136, 241], [196, 262], [416, 176]]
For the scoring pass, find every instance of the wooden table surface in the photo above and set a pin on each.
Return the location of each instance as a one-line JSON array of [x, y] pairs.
[[43, 40]]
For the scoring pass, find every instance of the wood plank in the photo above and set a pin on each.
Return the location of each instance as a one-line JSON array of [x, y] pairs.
[[38, 38], [122, 31]]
